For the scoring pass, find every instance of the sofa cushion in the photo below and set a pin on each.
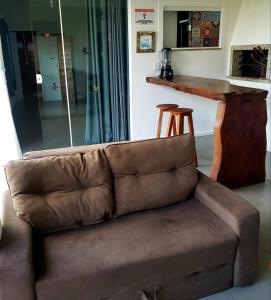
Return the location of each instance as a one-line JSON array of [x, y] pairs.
[[152, 173], [145, 249], [54, 193]]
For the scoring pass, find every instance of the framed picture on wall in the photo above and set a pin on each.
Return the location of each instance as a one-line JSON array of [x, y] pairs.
[[145, 42]]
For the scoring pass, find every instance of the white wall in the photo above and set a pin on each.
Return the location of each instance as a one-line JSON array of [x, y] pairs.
[[253, 27], [253, 23], [205, 63]]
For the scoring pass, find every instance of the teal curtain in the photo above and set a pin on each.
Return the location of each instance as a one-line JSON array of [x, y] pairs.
[[107, 96]]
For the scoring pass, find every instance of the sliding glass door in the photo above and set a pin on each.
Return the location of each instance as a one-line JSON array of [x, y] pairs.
[[31, 58], [76, 56], [67, 70]]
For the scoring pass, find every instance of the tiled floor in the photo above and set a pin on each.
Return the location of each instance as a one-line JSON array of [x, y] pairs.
[[46, 126], [258, 195]]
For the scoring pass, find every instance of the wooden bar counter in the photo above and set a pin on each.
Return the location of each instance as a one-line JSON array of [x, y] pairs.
[[239, 130]]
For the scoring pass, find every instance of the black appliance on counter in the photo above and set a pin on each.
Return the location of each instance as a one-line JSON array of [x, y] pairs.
[[166, 70]]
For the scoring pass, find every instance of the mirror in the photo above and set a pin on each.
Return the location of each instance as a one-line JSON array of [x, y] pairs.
[[191, 29]]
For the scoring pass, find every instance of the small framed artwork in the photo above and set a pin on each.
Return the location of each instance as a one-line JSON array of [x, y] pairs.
[[145, 42]]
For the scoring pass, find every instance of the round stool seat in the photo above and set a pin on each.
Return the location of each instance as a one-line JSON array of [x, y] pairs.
[[181, 110], [166, 107], [176, 123]]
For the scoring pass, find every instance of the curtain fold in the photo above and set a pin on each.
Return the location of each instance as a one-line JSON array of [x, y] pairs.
[[107, 96]]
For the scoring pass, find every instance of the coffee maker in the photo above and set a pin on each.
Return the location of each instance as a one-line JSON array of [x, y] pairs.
[[165, 57]]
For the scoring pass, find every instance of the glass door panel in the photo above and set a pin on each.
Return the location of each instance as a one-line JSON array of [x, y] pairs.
[[33, 47], [74, 20], [82, 95]]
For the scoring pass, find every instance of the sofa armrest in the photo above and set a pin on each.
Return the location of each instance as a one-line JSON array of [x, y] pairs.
[[242, 217], [16, 261]]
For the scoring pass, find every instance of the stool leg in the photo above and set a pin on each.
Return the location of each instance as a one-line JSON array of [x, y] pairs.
[[191, 131], [180, 125], [170, 125], [174, 126], [159, 124]]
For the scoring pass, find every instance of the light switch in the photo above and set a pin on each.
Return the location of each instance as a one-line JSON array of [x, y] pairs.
[[39, 78]]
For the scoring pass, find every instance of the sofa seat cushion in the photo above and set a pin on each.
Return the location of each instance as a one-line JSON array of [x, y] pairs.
[[59, 192], [149, 248], [152, 173]]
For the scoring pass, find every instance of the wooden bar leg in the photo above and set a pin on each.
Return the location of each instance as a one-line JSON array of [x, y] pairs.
[[217, 158], [170, 125], [240, 140], [191, 131], [160, 120]]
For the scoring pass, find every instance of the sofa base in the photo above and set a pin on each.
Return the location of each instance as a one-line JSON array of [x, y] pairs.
[[119, 257], [194, 286]]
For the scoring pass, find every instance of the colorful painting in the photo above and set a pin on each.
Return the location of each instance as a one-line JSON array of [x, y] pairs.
[[205, 28], [213, 16], [196, 18], [197, 42], [196, 32]]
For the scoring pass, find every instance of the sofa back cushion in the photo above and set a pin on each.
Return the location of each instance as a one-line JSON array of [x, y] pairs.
[[54, 193], [152, 173]]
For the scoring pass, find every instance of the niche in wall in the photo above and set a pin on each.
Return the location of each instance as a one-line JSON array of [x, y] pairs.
[[250, 62], [192, 29]]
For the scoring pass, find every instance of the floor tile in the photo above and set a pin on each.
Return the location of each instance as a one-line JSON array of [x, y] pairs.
[[259, 196], [219, 296], [261, 289]]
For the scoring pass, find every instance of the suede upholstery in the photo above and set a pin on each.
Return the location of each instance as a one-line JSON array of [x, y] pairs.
[[150, 248], [60, 192], [65, 151], [188, 248], [243, 218], [152, 173], [16, 255]]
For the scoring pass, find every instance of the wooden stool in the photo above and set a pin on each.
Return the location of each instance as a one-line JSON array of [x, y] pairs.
[[164, 108], [180, 114]]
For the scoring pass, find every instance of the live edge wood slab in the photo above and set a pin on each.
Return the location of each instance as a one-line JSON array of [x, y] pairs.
[[239, 130]]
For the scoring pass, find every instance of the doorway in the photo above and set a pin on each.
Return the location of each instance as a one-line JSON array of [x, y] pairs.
[[49, 68], [70, 81]]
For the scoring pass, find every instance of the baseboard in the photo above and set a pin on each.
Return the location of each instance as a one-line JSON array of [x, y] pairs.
[[203, 133]]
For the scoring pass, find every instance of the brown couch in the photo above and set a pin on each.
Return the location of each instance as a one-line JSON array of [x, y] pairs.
[[130, 221]]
